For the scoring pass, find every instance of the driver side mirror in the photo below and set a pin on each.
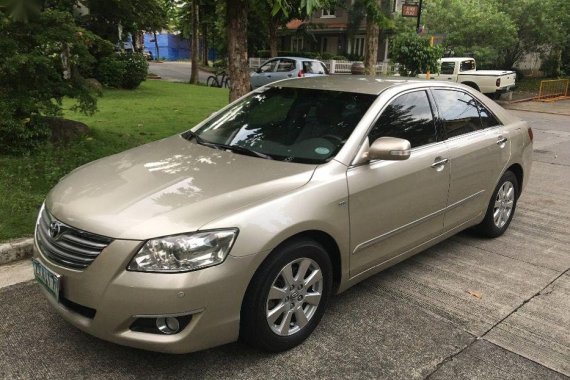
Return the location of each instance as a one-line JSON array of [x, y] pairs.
[[389, 148], [258, 70]]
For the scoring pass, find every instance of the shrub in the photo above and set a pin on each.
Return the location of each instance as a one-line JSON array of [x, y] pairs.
[[125, 70], [18, 136], [111, 71], [136, 70]]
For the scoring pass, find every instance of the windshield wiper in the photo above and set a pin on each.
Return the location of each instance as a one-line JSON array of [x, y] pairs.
[[241, 149], [189, 135]]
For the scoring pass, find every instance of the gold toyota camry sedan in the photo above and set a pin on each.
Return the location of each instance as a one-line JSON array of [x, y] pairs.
[[245, 225]]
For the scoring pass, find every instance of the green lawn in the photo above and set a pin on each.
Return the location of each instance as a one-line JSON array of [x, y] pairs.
[[125, 119]]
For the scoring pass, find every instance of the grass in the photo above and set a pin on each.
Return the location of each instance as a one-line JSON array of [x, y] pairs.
[[125, 119]]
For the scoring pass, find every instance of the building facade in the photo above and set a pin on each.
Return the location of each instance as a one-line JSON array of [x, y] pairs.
[[329, 32]]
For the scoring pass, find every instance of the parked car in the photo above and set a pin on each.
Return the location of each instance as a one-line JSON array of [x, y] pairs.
[[286, 67], [246, 225], [148, 54], [464, 70]]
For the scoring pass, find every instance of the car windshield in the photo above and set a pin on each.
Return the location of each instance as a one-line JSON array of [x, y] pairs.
[[287, 124]]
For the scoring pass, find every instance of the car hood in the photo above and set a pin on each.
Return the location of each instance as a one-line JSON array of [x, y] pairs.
[[167, 187]]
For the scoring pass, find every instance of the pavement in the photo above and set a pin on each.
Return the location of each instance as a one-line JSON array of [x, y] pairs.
[[466, 308], [176, 71]]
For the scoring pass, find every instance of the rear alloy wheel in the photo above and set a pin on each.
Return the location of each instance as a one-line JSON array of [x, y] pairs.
[[501, 207], [287, 296]]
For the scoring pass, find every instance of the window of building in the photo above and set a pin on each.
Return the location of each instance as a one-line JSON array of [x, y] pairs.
[[357, 45], [296, 43], [328, 13], [408, 117]]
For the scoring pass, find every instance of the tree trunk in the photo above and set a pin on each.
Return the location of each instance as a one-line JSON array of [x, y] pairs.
[[236, 18], [205, 44], [371, 48], [156, 57], [273, 26], [195, 41]]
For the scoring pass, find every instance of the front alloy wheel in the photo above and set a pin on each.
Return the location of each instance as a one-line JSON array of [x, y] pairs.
[[287, 296], [294, 296]]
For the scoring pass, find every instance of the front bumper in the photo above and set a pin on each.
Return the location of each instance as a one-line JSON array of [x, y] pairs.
[[213, 296]]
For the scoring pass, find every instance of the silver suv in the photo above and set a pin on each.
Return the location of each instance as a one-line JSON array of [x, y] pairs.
[[245, 225]]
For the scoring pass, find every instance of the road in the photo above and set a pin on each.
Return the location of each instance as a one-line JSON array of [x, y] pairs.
[[177, 71], [466, 308]]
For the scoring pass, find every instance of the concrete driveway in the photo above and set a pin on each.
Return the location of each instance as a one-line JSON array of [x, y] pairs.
[[466, 308]]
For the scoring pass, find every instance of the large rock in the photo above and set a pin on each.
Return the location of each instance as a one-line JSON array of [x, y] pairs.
[[64, 131]]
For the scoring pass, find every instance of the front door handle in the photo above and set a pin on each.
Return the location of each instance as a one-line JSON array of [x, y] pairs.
[[501, 140], [439, 163]]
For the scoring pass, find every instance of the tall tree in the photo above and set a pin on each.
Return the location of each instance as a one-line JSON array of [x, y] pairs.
[[236, 18], [477, 27], [195, 41], [236, 27], [376, 18]]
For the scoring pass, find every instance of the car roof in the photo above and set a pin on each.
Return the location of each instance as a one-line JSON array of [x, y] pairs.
[[353, 83], [457, 59], [295, 58]]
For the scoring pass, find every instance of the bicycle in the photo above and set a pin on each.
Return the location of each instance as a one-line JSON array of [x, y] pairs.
[[220, 79]]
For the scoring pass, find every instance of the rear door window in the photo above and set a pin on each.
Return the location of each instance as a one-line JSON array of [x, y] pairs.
[[447, 68], [488, 120], [408, 117], [314, 67], [459, 112], [467, 65], [285, 65]]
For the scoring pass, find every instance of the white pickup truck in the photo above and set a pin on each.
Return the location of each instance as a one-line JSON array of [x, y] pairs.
[[463, 70]]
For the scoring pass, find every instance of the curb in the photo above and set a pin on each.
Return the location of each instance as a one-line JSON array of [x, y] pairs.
[[15, 250]]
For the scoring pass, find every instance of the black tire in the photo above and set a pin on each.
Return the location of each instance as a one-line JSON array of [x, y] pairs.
[[488, 227], [212, 81], [227, 83], [255, 327]]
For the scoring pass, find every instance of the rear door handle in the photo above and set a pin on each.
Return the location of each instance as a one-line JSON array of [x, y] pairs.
[[501, 140], [439, 163]]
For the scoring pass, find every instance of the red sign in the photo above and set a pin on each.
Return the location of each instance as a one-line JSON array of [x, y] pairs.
[[410, 10]]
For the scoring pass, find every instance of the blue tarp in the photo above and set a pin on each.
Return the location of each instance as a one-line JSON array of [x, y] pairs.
[[171, 47]]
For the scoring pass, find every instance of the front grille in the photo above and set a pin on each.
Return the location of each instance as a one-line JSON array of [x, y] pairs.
[[66, 245]]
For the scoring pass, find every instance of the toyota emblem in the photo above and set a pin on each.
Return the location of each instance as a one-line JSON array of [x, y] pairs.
[[54, 230]]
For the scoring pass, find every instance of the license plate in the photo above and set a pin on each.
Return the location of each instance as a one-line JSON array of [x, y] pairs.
[[49, 279]]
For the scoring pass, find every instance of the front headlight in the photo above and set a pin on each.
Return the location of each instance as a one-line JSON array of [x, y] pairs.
[[183, 253]]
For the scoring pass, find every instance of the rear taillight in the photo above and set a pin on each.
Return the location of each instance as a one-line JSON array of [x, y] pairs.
[[498, 82], [530, 134], [301, 74]]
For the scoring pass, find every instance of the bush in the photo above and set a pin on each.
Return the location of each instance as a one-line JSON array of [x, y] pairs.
[[18, 136], [111, 71], [136, 70], [122, 70], [415, 55]]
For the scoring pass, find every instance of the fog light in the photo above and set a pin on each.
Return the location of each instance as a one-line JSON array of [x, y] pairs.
[[168, 325]]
